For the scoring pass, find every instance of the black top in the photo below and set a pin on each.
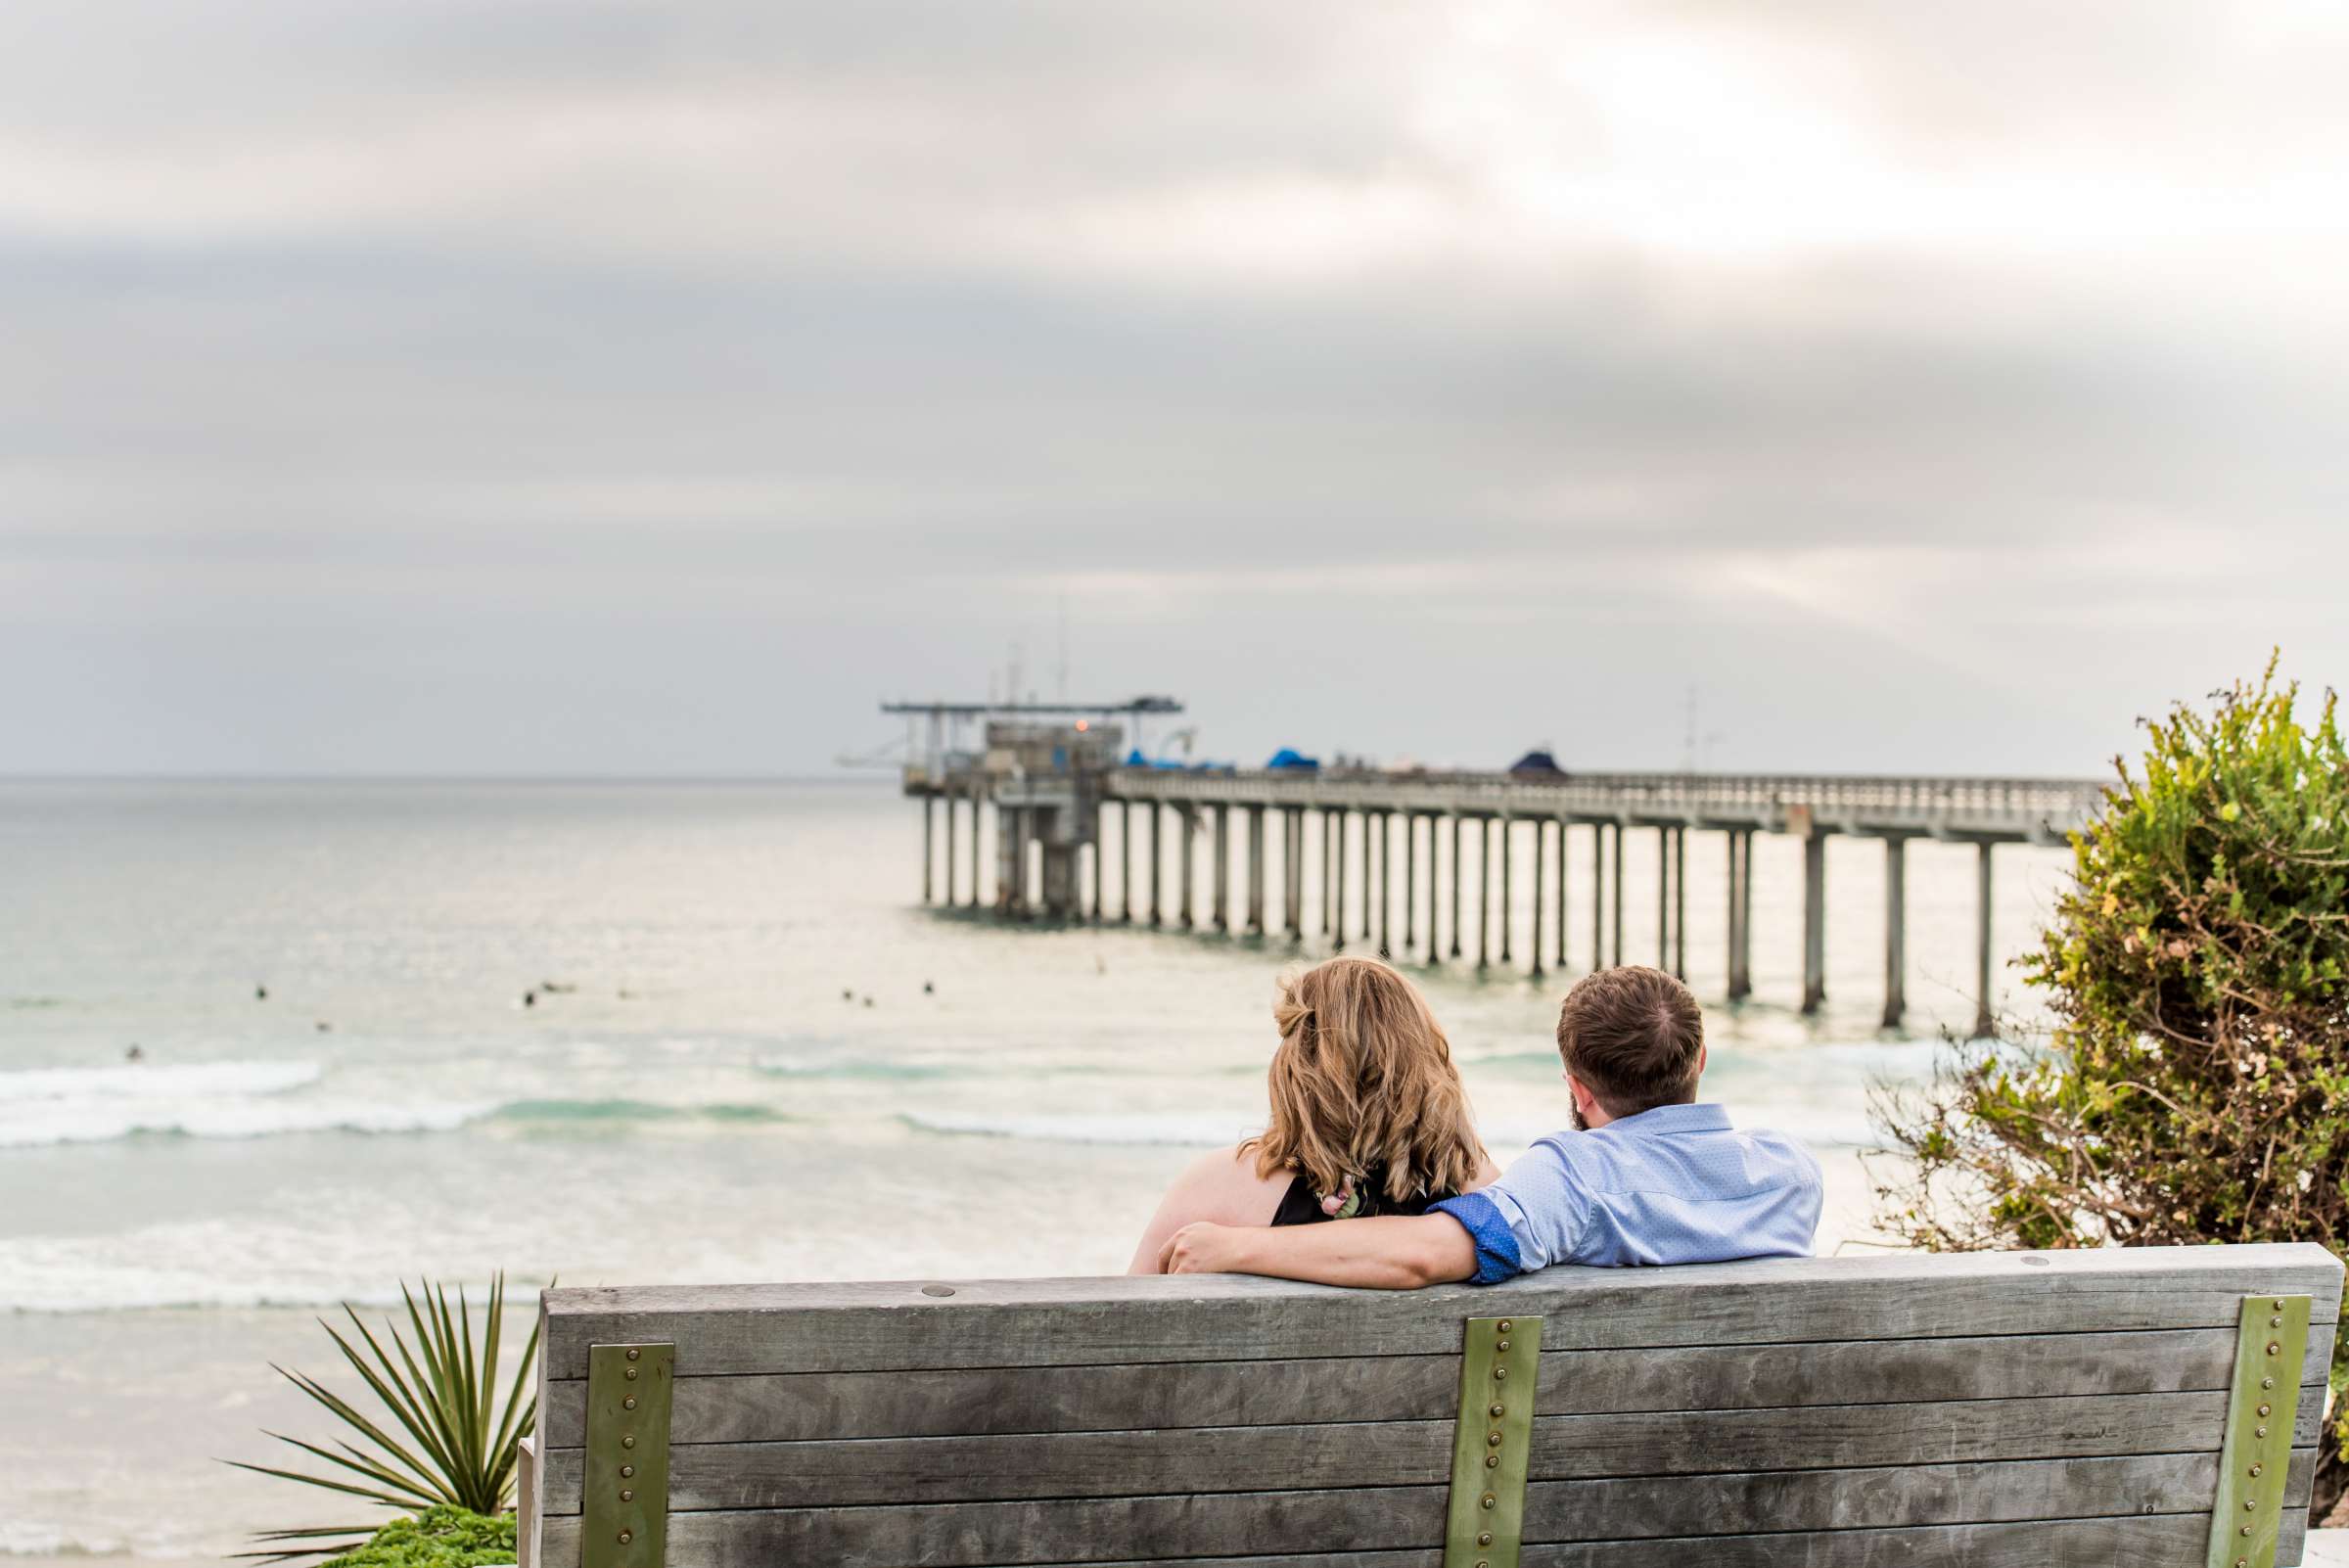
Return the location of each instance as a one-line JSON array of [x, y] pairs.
[[1301, 1205]]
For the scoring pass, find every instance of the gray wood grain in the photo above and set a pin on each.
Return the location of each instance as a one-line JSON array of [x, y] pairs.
[[1396, 1454], [872, 1327], [1166, 1394], [1850, 1506]]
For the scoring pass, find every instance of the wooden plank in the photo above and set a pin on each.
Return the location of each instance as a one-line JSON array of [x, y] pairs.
[[1393, 1453], [781, 1407], [873, 1327], [1852, 1507]]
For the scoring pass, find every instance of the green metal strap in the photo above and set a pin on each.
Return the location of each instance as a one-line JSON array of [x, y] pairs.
[[1500, 1361], [624, 1507], [2270, 1342]]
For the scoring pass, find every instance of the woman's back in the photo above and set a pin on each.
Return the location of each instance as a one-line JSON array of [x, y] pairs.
[[1368, 1116]]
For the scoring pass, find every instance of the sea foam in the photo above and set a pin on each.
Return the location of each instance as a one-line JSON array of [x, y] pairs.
[[231, 1099]]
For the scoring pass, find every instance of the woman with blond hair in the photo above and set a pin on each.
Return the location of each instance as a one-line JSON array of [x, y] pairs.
[[1367, 1116]]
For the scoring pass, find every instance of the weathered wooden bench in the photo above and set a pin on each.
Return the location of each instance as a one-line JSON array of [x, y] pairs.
[[1997, 1411]]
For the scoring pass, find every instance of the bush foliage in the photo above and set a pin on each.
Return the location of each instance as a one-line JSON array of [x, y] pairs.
[[445, 1537], [2195, 1083]]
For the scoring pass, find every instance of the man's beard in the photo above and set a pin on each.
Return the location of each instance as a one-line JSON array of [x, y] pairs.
[[1581, 1124]]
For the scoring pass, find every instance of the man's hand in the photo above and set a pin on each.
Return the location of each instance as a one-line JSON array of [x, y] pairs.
[[1203, 1248], [1392, 1252]]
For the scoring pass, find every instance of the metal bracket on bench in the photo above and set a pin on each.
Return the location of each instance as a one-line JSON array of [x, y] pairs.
[[1500, 1361], [624, 1500], [2269, 1345]]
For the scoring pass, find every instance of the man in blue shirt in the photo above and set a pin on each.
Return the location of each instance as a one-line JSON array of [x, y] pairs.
[[1648, 1175]]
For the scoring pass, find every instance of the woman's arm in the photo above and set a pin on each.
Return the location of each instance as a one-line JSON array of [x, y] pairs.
[[1387, 1252], [1220, 1186]]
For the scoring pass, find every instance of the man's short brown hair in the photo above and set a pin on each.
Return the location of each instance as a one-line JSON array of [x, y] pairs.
[[1631, 1035]]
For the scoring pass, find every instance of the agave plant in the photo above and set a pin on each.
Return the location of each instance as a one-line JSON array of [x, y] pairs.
[[461, 1444]]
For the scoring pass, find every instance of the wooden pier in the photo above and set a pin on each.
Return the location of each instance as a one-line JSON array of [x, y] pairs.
[[1505, 824]]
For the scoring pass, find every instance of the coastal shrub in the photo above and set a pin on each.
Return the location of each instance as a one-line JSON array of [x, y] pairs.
[[445, 1537], [461, 1444], [2195, 1085]]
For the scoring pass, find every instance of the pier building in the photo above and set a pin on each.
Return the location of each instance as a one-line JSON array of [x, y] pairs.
[[1055, 776]]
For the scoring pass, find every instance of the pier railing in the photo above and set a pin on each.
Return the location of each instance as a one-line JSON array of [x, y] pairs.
[[2011, 808]]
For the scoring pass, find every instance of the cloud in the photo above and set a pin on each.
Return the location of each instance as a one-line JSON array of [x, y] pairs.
[[1933, 386]]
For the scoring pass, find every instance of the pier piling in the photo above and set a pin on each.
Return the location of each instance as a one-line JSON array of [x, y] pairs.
[[1663, 897], [1540, 828], [1616, 941], [1410, 867], [949, 864], [1256, 870], [1291, 873], [929, 852], [1984, 1025], [1598, 896], [1502, 826], [1483, 887], [1188, 818], [1125, 864], [1222, 872], [1815, 921], [1741, 913], [1386, 856], [1680, 904], [1157, 865], [1895, 931], [1454, 883], [1435, 855], [1561, 959], [1337, 900]]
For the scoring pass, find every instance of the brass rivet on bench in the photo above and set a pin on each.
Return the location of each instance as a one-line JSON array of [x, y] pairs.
[[1499, 1373], [2253, 1443], [624, 1467], [1504, 1325], [1485, 1539], [1492, 1440], [1487, 1500]]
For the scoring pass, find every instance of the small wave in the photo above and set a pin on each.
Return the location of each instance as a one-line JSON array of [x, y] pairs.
[[236, 1099], [159, 1080], [625, 1110], [1138, 1129], [844, 1067]]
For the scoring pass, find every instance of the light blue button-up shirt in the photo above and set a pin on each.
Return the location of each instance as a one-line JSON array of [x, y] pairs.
[[1675, 1184]]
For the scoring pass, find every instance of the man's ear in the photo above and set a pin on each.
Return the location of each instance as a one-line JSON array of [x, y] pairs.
[[1700, 1060], [1584, 1100]]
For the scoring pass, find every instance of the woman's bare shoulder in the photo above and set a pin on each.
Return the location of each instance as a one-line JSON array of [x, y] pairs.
[[1222, 1185]]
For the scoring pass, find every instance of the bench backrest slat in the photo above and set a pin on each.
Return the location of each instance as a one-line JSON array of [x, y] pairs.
[[1984, 1409]]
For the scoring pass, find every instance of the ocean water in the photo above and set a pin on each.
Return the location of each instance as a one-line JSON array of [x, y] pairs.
[[747, 1052]]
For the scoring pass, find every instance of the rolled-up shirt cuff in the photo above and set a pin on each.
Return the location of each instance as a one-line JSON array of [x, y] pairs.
[[1496, 1256]]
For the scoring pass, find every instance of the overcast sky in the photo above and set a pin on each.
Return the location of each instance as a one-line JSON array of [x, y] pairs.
[[520, 387]]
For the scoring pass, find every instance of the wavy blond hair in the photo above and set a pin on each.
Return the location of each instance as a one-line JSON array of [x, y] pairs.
[[1362, 1080]]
